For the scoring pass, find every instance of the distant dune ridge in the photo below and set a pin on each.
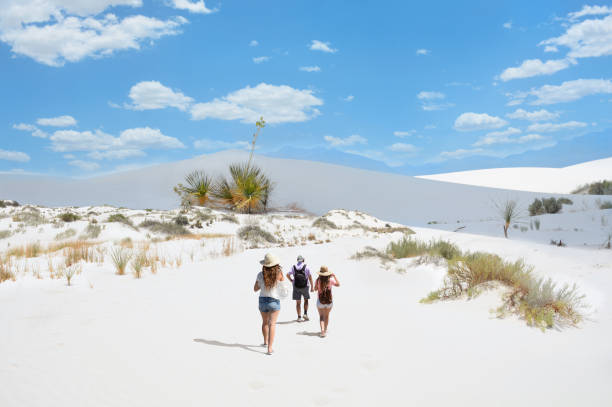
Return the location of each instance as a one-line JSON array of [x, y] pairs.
[[317, 187], [534, 179]]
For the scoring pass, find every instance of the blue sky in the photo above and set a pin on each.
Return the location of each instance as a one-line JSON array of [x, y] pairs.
[[94, 86]]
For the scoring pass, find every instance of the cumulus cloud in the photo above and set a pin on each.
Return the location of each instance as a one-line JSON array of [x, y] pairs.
[[259, 60], [478, 121], [84, 165], [570, 90], [535, 116], [149, 95], [403, 134], [345, 142], [461, 153], [310, 68], [60, 121], [195, 6], [208, 144], [498, 137], [35, 131], [431, 101], [317, 45], [535, 67], [277, 104], [403, 148], [110, 147], [589, 11], [14, 156], [552, 127], [587, 38], [116, 154], [424, 95], [55, 32], [423, 51]]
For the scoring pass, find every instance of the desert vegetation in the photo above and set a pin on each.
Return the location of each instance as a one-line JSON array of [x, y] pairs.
[[510, 212], [595, 188], [547, 205]]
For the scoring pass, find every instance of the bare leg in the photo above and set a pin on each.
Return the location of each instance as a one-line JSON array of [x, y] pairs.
[[265, 317], [321, 319], [305, 306], [327, 312], [272, 329], [298, 307]]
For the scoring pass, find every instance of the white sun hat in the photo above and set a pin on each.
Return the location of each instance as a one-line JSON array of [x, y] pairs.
[[269, 260]]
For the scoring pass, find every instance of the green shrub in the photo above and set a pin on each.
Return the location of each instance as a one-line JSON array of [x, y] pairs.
[[68, 217], [29, 217], [92, 231], [600, 188], [551, 205], [5, 233], [565, 201], [409, 247], [255, 234], [168, 228], [181, 220], [370, 252], [68, 233], [324, 223], [536, 208], [547, 205], [120, 218], [606, 205]]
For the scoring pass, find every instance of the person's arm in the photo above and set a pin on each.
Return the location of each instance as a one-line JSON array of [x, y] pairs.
[[256, 287], [289, 276], [281, 277], [311, 285], [335, 282]]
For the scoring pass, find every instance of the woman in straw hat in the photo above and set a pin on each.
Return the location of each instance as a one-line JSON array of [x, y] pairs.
[[323, 286], [269, 297]]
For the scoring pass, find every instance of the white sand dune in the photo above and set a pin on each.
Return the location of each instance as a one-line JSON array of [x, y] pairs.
[[534, 179], [317, 187]]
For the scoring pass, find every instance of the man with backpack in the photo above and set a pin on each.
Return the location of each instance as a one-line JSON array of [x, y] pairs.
[[302, 284]]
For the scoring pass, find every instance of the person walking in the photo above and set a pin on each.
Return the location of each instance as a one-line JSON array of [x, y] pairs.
[[323, 286], [267, 283], [302, 284]]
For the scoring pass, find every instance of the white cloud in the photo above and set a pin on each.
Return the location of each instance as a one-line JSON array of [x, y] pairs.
[[345, 142], [535, 67], [14, 156], [317, 45], [253, 43], [588, 38], [436, 106], [430, 95], [478, 121], [498, 137], [208, 144], [116, 154], [403, 134], [461, 153], [535, 116], [148, 95], [277, 104], [36, 132], [403, 148], [259, 60], [551, 48], [130, 139], [349, 98], [589, 11], [570, 90], [84, 165], [552, 127], [507, 25], [423, 51], [196, 6], [430, 126], [310, 68], [60, 121], [50, 33], [530, 137], [515, 102]]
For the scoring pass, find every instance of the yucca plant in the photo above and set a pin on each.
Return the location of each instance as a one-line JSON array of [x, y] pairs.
[[198, 187], [120, 258], [250, 188], [510, 213]]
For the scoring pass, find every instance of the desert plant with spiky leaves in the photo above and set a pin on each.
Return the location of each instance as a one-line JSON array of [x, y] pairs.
[[250, 188], [509, 212], [198, 187]]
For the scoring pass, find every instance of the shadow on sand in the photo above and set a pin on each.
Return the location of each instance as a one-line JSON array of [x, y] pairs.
[[230, 345], [309, 333], [293, 321]]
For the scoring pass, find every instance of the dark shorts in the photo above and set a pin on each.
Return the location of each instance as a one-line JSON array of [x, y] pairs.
[[267, 304], [298, 293]]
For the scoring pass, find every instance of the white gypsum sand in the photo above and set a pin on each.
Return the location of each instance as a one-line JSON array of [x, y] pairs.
[[535, 179], [189, 334]]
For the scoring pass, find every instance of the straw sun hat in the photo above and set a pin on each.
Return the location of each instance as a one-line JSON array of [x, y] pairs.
[[324, 271], [269, 260]]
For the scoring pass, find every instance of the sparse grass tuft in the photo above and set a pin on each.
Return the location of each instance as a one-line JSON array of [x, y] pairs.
[[167, 228], [29, 216], [120, 258], [139, 262], [370, 252], [409, 247], [92, 231], [605, 205], [324, 223], [6, 269], [68, 217], [120, 218], [67, 234], [5, 233], [29, 251], [70, 271], [255, 234]]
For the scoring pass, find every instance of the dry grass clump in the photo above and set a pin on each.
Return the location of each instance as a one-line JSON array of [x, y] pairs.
[[409, 247], [29, 216], [6, 269], [229, 247], [324, 223], [29, 251], [229, 218], [370, 252], [139, 262], [167, 228], [255, 234], [120, 218], [538, 301], [120, 258], [70, 271], [5, 233], [92, 231]]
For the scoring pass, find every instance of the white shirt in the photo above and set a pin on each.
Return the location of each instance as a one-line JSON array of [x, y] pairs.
[[272, 292]]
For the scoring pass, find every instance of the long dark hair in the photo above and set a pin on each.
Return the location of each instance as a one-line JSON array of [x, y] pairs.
[[323, 282], [270, 275]]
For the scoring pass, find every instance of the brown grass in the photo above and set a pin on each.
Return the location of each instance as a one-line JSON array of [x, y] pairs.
[[6, 269], [229, 247], [28, 251]]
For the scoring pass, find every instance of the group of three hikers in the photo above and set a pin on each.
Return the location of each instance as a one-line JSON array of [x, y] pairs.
[[267, 284]]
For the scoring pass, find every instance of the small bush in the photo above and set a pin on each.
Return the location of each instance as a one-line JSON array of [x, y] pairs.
[[551, 205], [120, 258], [565, 201], [181, 220], [138, 263], [537, 224], [92, 231], [68, 233], [70, 271], [68, 217], [324, 223], [547, 205], [5, 233], [408, 247], [606, 205], [229, 218], [30, 217], [370, 252], [255, 234], [120, 218], [600, 188], [168, 228]]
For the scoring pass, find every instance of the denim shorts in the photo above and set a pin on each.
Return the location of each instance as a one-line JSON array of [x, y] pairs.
[[324, 306], [268, 304]]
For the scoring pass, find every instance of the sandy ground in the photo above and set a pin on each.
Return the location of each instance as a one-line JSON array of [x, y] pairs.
[[190, 336]]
